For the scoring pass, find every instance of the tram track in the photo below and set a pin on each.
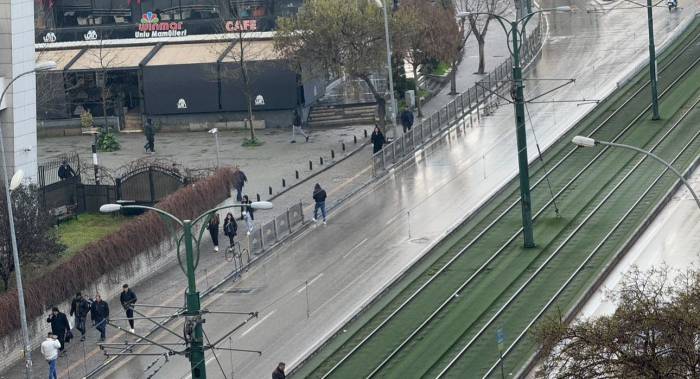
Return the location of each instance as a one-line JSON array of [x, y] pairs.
[[505, 214]]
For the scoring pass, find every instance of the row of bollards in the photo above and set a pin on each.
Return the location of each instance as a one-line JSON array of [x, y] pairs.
[[311, 164]]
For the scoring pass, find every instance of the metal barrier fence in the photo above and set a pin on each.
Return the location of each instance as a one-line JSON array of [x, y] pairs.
[[463, 105], [284, 224]]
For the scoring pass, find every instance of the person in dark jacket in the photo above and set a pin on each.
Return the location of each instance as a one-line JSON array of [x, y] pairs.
[[279, 372], [377, 140], [128, 299], [150, 132], [59, 325], [66, 171], [407, 119], [100, 315], [79, 308], [230, 227], [320, 200], [239, 180], [213, 228], [248, 208]]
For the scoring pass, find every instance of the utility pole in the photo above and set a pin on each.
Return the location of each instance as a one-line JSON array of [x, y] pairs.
[[389, 67], [652, 64], [194, 316], [519, 103]]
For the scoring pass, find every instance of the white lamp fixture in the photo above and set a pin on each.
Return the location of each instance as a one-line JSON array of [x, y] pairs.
[[45, 66], [16, 180], [261, 205], [583, 141], [109, 208]]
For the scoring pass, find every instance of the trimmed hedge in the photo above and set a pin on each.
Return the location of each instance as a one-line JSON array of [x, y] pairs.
[[139, 236]]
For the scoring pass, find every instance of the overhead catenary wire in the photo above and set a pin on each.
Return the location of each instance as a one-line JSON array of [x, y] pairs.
[[544, 165]]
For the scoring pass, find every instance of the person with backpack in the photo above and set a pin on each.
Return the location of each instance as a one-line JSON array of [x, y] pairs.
[[79, 308], [230, 227], [319, 196]]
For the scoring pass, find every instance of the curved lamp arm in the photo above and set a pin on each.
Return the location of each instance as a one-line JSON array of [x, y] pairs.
[[115, 207]]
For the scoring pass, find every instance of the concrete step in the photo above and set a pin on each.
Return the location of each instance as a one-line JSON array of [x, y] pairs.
[[342, 122]]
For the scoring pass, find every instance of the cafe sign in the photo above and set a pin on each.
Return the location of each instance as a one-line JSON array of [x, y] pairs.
[[241, 25], [151, 27]]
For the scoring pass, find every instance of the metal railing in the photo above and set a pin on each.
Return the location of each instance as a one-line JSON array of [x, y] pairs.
[[264, 236], [465, 104]]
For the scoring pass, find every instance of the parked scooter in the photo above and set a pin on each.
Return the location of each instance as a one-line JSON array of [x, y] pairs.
[[672, 4]]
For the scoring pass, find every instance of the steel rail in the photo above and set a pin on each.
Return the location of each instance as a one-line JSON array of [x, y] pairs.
[[515, 203], [563, 244], [503, 247]]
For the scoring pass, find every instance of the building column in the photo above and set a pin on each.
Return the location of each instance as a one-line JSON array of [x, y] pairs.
[[18, 115]]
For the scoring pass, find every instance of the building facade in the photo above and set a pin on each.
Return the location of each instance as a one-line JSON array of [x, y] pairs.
[[175, 61]]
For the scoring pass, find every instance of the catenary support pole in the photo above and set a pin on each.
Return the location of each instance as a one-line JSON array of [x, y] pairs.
[[197, 362], [519, 103], [652, 64]]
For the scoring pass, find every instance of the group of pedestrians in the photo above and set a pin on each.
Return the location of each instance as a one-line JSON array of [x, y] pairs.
[[80, 308], [230, 226]]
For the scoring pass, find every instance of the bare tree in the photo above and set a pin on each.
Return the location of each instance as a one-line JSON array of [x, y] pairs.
[[106, 59], [337, 37], [236, 57], [654, 333], [480, 13], [424, 31]]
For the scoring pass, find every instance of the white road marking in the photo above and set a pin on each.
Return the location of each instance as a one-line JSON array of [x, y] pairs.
[[300, 290], [355, 247], [258, 323]]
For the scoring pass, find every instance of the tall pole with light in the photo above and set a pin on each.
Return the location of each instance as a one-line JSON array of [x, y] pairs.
[[652, 64], [16, 180], [516, 30], [193, 314], [582, 141], [392, 106]]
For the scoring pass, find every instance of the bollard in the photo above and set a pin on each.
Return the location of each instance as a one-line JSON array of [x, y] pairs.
[[343, 145], [257, 195], [311, 166], [321, 160], [269, 189], [365, 130], [284, 183], [332, 154], [296, 174], [354, 139]]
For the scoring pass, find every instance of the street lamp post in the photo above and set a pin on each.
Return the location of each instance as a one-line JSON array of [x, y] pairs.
[[41, 66], [215, 132], [392, 111], [193, 314], [590, 142], [652, 64]]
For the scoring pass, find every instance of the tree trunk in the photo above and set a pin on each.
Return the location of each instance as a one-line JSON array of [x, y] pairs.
[[482, 59], [104, 107], [381, 104], [415, 77], [250, 117]]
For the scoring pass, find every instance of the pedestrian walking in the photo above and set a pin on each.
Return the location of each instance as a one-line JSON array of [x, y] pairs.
[[79, 309], [320, 200], [279, 371], [128, 299], [150, 132], [59, 326], [377, 140], [230, 227], [296, 127], [65, 171], [249, 208], [100, 315], [239, 180], [407, 119], [213, 228], [49, 349]]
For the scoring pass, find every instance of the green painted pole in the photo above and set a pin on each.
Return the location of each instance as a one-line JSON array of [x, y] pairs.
[[519, 102], [197, 363], [652, 64]]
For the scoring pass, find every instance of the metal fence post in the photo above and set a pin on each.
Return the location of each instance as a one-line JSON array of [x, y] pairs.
[[289, 222], [274, 228], [301, 210]]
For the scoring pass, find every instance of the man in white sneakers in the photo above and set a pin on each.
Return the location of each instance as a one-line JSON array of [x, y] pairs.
[[49, 348]]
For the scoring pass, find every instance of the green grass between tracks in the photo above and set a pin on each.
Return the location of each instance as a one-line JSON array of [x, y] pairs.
[[439, 342]]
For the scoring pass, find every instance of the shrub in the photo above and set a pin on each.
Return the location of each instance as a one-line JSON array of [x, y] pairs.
[[113, 252], [86, 120], [107, 141]]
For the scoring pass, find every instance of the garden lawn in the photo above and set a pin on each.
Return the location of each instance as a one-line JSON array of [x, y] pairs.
[[86, 228]]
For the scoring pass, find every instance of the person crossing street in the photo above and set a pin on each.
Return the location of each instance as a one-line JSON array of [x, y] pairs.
[[128, 299]]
